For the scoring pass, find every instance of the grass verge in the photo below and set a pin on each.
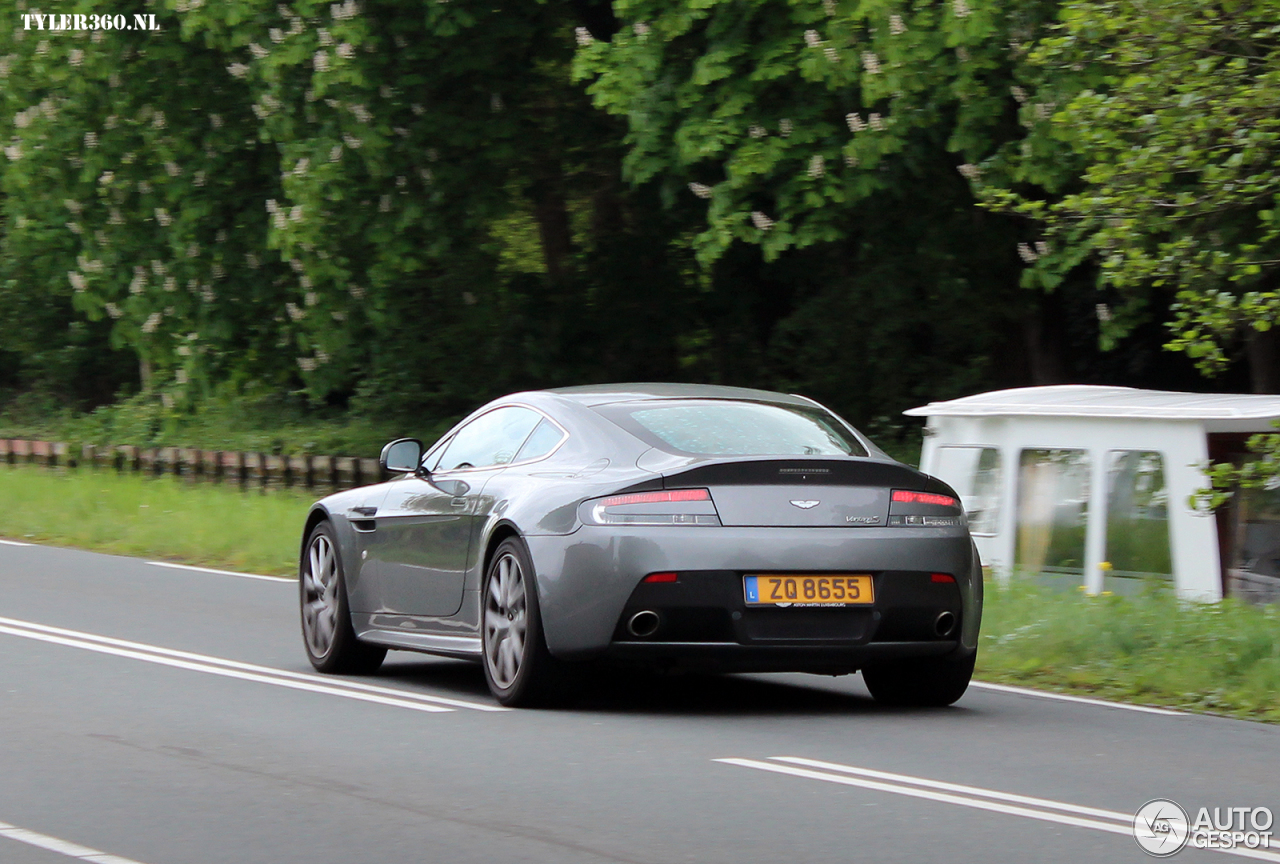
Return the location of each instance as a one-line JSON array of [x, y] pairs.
[[208, 525], [1222, 658]]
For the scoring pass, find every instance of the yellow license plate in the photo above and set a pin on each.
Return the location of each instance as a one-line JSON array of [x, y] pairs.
[[781, 590]]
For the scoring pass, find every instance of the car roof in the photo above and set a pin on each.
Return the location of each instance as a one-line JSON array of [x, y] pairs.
[[604, 394]]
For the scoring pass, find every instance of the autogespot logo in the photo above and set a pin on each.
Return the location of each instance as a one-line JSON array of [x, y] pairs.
[[1162, 828]]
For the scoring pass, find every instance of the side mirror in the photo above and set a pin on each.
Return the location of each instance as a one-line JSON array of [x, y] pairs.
[[402, 456]]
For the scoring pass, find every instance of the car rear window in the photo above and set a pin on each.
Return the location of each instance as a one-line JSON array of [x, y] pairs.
[[728, 428]]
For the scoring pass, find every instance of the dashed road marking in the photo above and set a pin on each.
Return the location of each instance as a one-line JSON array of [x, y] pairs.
[[62, 847]]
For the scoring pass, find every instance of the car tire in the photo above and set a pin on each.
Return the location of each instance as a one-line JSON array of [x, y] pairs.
[[518, 668], [923, 682], [330, 640]]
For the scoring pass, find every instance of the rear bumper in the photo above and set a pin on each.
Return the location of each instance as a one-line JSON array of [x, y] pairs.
[[834, 658], [586, 581]]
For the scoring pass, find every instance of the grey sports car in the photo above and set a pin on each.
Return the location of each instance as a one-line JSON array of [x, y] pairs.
[[666, 525]]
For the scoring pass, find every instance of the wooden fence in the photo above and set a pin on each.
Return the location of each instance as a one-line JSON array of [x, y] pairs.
[[328, 473]]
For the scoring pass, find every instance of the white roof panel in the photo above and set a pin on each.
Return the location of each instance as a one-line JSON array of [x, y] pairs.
[[1084, 400]]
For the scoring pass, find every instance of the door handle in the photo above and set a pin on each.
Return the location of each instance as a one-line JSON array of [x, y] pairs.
[[458, 503], [364, 511]]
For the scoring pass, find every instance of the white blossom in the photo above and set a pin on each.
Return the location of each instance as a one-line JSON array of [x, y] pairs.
[[320, 61], [356, 292], [180, 375], [583, 36], [251, 261], [761, 221], [170, 284], [817, 166], [830, 53], [1026, 254], [106, 177], [969, 172], [295, 213], [276, 34], [171, 168], [301, 168], [335, 153], [152, 322], [325, 37], [812, 39], [74, 228], [896, 25], [91, 140], [158, 121], [77, 281], [307, 364], [198, 178], [1018, 93], [217, 271], [113, 310], [829, 6], [851, 160], [641, 29], [295, 313], [74, 206], [345, 51], [784, 128], [855, 122], [756, 131], [1042, 247], [871, 62], [417, 109], [961, 8], [237, 70], [874, 121], [158, 268], [193, 249], [361, 113], [76, 57], [310, 298], [114, 217], [1103, 312], [257, 51], [384, 204], [351, 141], [700, 190]]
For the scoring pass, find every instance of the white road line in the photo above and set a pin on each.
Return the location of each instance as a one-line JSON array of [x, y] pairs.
[[1063, 697], [1126, 818], [14, 543], [977, 803], [222, 671], [222, 572], [62, 847], [249, 667]]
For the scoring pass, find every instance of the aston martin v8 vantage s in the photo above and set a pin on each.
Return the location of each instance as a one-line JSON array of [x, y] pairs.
[[666, 525]]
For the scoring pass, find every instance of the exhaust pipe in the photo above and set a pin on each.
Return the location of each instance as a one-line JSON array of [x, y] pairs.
[[643, 623], [944, 624]]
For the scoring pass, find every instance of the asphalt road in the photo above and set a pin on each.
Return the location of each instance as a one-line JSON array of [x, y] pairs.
[[167, 716]]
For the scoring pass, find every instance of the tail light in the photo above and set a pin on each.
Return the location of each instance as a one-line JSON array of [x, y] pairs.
[[668, 507], [904, 496], [922, 520]]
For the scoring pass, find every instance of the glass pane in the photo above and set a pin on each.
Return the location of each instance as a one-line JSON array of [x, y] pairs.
[[1137, 519], [1053, 505], [543, 440], [1254, 571], [725, 428], [490, 439], [974, 472]]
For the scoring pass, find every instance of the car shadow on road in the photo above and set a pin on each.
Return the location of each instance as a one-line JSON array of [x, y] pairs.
[[613, 690]]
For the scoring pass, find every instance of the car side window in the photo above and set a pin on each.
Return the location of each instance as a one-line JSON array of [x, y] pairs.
[[490, 439], [543, 440]]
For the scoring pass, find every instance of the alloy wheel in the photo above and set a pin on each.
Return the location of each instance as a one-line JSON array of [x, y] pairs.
[[505, 621], [320, 596]]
